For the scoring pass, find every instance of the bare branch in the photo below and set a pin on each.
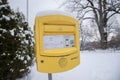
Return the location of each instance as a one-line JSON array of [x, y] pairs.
[[95, 13], [92, 7], [82, 16], [111, 15], [88, 18]]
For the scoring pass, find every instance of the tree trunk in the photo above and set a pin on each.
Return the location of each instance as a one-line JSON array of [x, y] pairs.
[[103, 24], [104, 40], [103, 34]]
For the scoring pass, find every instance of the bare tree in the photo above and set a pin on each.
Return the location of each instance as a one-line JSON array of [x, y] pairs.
[[86, 35], [98, 10]]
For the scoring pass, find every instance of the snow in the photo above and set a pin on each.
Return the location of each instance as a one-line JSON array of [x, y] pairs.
[[1, 6], [25, 61], [95, 65], [28, 58], [53, 12], [4, 30], [21, 70], [12, 32], [6, 17], [3, 54]]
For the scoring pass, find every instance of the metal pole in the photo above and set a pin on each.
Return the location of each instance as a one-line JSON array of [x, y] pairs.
[[27, 9], [49, 76]]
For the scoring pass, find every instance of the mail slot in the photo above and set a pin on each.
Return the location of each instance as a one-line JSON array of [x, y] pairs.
[[57, 44], [59, 28]]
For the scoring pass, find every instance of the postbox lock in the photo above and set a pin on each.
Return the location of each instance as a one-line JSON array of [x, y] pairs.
[[42, 61]]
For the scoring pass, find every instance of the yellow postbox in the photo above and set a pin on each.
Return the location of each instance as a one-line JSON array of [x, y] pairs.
[[57, 45]]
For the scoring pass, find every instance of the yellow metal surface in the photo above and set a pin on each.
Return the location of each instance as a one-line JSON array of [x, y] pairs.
[[61, 59], [59, 52]]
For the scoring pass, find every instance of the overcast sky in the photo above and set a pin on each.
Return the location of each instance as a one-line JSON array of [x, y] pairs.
[[35, 6]]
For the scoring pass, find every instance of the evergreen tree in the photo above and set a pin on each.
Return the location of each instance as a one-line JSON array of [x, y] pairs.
[[16, 43]]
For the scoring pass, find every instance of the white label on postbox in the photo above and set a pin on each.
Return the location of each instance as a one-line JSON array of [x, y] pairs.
[[58, 41]]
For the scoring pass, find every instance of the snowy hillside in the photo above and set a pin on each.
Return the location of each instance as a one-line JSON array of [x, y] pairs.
[[95, 65]]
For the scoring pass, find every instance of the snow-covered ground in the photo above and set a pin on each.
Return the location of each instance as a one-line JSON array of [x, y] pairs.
[[95, 65]]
